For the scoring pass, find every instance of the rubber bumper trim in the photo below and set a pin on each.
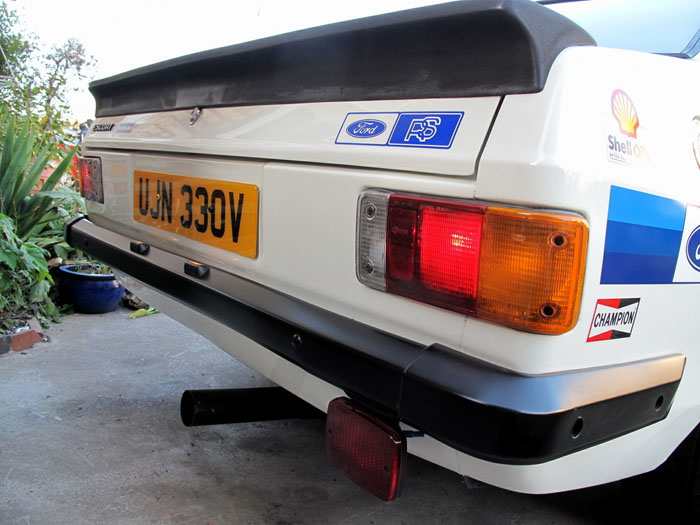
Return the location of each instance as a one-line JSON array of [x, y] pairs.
[[480, 409]]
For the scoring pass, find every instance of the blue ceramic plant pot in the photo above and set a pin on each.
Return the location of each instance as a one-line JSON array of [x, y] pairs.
[[90, 293]]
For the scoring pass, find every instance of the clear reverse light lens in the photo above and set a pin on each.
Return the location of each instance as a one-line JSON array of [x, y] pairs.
[[371, 238]]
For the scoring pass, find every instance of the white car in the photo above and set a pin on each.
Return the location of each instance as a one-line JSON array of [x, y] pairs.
[[464, 231]]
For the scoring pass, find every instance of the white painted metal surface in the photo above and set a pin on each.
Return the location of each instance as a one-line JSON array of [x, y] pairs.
[[312, 133]]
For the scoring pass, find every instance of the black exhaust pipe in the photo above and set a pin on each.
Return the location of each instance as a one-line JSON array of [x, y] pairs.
[[243, 405]]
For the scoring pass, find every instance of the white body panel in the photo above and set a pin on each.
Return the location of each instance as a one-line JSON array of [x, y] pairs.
[[312, 133], [546, 150]]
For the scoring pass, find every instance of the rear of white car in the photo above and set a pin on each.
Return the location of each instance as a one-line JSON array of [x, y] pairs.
[[477, 244]]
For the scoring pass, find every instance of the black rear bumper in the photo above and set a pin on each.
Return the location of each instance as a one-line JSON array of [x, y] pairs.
[[477, 408]]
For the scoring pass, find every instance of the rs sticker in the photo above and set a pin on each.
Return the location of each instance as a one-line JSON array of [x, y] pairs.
[[613, 319], [425, 130]]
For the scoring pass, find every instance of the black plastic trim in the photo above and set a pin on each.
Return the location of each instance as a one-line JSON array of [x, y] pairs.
[[140, 248], [477, 408], [459, 49], [520, 437], [197, 270]]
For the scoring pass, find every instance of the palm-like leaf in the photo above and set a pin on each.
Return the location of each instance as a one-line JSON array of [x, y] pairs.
[[19, 174]]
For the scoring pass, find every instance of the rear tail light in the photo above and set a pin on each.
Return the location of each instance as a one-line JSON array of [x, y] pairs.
[[521, 268], [364, 448], [90, 169]]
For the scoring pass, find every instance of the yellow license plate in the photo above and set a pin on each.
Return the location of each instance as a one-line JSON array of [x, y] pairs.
[[220, 213]]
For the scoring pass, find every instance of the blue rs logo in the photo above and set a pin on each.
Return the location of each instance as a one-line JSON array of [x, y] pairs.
[[693, 249], [425, 130], [363, 129]]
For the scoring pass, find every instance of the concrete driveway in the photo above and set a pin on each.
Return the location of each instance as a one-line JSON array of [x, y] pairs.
[[90, 432]]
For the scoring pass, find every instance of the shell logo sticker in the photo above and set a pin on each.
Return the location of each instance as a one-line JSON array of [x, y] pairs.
[[625, 113], [626, 140]]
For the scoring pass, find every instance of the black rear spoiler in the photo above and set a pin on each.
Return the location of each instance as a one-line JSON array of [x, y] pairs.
[[471, 48]]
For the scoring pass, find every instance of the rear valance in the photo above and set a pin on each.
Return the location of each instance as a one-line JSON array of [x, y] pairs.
[[461, 49]]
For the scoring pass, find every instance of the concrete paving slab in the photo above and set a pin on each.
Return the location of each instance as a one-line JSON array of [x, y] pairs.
[[90, 432]]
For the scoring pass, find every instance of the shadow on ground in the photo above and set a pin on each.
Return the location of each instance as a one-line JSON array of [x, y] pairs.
[[91, 433]]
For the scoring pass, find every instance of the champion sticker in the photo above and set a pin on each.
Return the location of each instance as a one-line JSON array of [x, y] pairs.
[[613, 319]]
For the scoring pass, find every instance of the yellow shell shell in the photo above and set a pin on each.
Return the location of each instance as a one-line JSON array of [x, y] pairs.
[[624, 111]]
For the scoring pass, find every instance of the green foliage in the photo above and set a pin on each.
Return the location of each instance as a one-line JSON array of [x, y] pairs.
[[38, 81], [31, 224], [24, 279], [33, 127], [37, 213], [51, 238], [14, 44], [91, 268]]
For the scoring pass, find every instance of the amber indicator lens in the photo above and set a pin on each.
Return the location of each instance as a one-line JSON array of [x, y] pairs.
[[531, 269]]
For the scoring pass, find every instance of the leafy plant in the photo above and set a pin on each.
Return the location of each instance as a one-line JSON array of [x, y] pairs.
[[31, 224], [24, 279], [51, 238], [33, 212], [91, 268], [38, 79]]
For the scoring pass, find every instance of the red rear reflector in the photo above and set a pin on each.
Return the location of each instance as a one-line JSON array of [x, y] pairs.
[[365, 449]]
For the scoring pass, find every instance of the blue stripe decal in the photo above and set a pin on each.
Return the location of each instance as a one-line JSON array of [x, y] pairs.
[[635, 207], [643, 238], [630, 268]]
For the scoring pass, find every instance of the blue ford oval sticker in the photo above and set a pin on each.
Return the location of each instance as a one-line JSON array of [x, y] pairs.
[[364, 129], [693, 249]]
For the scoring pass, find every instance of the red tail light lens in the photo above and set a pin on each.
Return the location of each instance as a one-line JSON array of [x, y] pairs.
[[401, 250], [364, 448], [91, 179], [433, 251]]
